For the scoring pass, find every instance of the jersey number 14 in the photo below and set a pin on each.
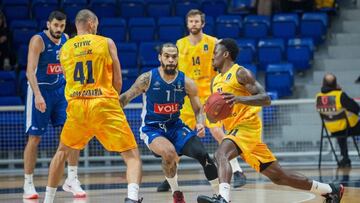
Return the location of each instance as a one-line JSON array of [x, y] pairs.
[[79, 72]]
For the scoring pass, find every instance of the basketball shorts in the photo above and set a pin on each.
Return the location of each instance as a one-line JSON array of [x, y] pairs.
[[37, 122], [177, 133], [100, 117], [247, 136], [188, 117]]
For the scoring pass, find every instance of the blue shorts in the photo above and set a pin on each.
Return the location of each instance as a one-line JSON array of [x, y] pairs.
[[37, 122], [177, 133]]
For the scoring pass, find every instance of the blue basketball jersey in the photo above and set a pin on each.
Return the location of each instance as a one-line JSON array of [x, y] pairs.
[[163, 100], [49, 73]]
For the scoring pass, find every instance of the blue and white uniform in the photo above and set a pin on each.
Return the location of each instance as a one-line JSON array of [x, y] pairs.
[[162, 103], [51, 84]]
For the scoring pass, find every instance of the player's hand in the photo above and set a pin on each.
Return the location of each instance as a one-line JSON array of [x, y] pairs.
[[200, 128], [40, 103], [230, 98]]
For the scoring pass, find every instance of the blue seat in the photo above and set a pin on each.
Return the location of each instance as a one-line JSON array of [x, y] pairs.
[[16, 9], [280, 78], [148, 54], [72, 7], [209, 25], [132, 8], [247, 51], [104, 8], [270, 51], [10, 101], [182, 7], [213, 7], [241, 7], [22, 84], [114, 28], [141, 29], [171, 28], [256, 26], [314, 25], [158, 8], [228, 26], [269, 112], [251, 67], [23, 24], [128, 55], [285, 25], [300, 53], [7, 83], [22, 53], [41, 9], [22, 36]]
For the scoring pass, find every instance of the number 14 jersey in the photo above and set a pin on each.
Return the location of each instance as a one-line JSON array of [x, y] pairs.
[[88, 68]]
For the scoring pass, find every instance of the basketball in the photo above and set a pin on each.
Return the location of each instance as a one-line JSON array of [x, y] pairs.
[[216, 108]]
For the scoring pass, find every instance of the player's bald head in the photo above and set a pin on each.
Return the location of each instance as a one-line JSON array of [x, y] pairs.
[[84, 16]]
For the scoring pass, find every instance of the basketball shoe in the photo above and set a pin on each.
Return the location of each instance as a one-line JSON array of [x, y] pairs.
[[336, 194], [74, 186], [29, 191]]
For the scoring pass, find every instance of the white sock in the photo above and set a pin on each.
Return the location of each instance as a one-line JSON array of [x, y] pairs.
[[224, 191], [215, 185], [72, 172], [133, 191], [28, 179], [173, 182], [50, 194], [235, 166], [320, 188]]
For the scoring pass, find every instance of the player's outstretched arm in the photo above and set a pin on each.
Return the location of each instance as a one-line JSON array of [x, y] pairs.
[[192, 92], [258, 97], [140, 86]]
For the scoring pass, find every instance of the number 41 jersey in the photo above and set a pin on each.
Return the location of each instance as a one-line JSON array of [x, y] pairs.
[[88, 68], [163, 100]]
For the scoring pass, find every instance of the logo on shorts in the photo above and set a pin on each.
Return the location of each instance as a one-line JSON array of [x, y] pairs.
[[54, 69], [168, 108]]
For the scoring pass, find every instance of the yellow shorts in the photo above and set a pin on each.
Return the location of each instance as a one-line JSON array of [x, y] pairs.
[[247, 136], [100, 117], [188, 117]]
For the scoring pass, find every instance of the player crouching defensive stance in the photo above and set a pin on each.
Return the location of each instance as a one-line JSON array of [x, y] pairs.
[[163, 132], [243, 128]]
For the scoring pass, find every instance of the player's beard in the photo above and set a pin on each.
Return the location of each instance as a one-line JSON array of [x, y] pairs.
[[171, 71], [56, 35], [194, 31]]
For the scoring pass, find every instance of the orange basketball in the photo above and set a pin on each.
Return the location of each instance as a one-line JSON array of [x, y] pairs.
[[216, 108]]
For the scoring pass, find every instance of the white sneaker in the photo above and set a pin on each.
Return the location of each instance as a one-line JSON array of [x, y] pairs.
[[30, 192], [74, 186]]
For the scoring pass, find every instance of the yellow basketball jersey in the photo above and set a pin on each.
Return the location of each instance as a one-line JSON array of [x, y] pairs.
[[88, 67], [196, 62], [241, 113]]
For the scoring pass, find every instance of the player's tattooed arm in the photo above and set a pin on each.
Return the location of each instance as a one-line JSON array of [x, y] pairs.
[[140, 86], [258, 95]]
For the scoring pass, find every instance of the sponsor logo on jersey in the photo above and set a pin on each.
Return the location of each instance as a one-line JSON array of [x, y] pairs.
[[168, 108], [54, 69], [156, 85], [206, 47]]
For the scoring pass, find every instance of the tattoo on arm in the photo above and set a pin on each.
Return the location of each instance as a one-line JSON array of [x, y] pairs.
[[140, 86]]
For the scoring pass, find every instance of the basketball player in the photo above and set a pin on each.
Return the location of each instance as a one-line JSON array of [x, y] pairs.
[[243, 128], [195, 55], [93, 82], [163, 132], [46, 100]]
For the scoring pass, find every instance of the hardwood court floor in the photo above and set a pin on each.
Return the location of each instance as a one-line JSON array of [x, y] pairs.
[[111, 187]]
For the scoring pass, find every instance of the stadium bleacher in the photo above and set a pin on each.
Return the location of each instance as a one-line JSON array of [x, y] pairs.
[[281, 38]]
